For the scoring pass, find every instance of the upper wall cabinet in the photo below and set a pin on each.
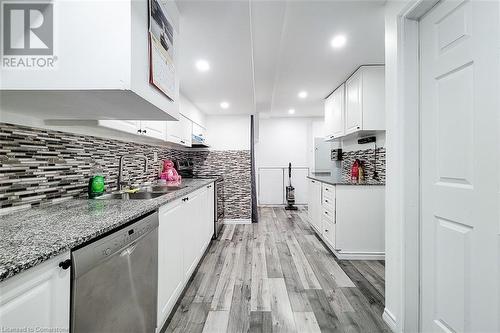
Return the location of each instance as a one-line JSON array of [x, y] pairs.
[[150, 128], [181, 131], [100, 66], [365, 100], [334, 114]]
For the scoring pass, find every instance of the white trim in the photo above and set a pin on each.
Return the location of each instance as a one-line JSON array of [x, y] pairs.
[[408, 68], [237, 221], [390, 320], [358, 255]]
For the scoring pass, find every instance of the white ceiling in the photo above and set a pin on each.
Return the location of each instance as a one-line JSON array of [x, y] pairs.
[[262, 53]]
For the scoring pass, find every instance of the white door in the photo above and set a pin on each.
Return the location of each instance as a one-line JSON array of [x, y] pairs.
[[170, 268], [459, 43], [338, 111], [353, 107], [154, 129], [329, 121], [38, 298]]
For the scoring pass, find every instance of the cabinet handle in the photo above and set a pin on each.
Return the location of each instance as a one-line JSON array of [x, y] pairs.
[[65, 264], [326, 230], [312, 181], [358, 127], [138, 131], [143, 131], [326, 200], [185, 199], [326, 189], [326, 212], [183, 141], [209, 186]]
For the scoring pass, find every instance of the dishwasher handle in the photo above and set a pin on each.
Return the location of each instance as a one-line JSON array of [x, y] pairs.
[[129, 250]]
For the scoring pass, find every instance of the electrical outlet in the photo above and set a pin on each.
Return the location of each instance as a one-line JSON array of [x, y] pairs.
[[155, 157]]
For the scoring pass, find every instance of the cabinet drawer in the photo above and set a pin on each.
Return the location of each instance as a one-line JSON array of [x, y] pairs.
[[328, 203], [328, 191], [329, 232], [328, 214]]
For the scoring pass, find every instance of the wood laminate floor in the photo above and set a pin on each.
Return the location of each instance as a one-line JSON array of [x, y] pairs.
[[277, 276]]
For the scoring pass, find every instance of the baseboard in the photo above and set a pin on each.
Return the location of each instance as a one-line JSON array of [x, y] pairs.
[[237, 221], [390, 320], [359, 255]]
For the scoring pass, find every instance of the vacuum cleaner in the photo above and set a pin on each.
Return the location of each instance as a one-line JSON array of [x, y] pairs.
[[290, 191]]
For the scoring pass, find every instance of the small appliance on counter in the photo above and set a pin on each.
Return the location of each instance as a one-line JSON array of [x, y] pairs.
[[185, 168]]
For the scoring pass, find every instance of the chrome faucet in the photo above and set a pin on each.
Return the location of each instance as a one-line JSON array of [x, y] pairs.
[[120, 168]]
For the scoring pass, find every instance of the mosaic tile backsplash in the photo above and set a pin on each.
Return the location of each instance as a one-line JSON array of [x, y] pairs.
[[370, 161], [43, 167]]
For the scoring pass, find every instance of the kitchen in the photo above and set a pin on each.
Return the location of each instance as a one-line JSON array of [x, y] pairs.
[[248, 166]]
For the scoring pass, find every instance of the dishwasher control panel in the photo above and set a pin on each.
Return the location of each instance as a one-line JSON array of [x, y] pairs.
[[125, 237]]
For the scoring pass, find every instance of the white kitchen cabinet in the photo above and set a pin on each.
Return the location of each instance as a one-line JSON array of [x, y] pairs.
[[334, 114], [314, 204], [349, 218], [149, 128], [184, 233], [365, 100], [37, 298], [99, 72], [170, 267], [181, 131]]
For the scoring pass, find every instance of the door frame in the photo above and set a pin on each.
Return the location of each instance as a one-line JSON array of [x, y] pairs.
[[408, 134]]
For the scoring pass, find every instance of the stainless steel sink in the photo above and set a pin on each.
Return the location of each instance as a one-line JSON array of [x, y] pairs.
[[161, 188], [131, 196]]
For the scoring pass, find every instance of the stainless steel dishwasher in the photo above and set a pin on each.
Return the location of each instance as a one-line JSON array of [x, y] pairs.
[[114, 281]]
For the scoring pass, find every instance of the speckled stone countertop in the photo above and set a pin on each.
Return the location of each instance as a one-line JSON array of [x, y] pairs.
[[33, 236], [325, 177]]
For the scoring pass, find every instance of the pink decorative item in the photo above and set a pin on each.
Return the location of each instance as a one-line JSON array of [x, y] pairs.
[[169, 173]]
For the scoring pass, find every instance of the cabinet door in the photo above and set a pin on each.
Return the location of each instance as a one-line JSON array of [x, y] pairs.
[[338, 111], [314, 205], [329, 117], [186, 131], [170, 268], [154, 129], [192, 230], [129, 126], [37, 298], [353, 112], [180, 131]]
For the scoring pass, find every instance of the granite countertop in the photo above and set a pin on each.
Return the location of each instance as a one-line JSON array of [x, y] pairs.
[[326, 177], [35, 235]]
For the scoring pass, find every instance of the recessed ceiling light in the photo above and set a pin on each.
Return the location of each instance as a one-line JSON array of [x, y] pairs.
[[291, 111], [303, 94], [338, 41], [224, 105], [202, 65]]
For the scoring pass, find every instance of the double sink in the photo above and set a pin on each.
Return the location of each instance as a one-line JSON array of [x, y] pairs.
[[144, 192]]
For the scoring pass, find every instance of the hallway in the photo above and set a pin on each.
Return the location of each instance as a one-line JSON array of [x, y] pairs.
[[277, 276]]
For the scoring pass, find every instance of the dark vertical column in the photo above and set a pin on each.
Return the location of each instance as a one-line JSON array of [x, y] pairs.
[[255, 216]]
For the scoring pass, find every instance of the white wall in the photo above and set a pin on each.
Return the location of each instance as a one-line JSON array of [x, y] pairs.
[[393, 195], [189, 110], [228, 132], [284, 140]]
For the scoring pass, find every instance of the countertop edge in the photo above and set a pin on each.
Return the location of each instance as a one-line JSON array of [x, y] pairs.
[[341, 182]]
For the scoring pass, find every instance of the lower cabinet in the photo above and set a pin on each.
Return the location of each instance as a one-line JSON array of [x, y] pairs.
[[37, 299], [350, 219], [314, 204], [185, 230]]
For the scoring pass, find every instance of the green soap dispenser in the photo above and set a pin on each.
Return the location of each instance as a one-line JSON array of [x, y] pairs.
[[96, 185]]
